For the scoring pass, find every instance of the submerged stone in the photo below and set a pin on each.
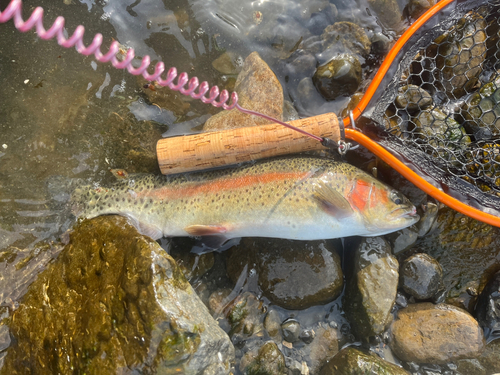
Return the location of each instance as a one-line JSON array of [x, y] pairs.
[[488, 308], [353, 361], [341, 76], [114, 302], [267, 361]]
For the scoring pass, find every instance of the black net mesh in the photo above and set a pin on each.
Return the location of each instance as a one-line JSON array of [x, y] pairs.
[[440, 109]]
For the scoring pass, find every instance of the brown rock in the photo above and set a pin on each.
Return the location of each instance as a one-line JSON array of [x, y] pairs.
[[428, 333], [259, 90]]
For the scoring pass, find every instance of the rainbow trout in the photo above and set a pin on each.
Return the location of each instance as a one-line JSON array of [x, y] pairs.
[[296, 198]]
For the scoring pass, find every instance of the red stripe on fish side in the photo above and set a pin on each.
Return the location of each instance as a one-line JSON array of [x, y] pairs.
[[212, 187], [360, 194]]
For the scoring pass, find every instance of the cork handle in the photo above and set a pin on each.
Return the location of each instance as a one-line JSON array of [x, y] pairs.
[[219, 148]]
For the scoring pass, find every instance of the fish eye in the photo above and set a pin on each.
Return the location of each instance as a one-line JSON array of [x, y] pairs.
[[396, 198]]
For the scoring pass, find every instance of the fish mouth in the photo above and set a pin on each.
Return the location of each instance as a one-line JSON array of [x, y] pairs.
[[406, 213]]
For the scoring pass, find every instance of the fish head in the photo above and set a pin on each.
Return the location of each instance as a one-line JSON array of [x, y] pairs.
[[382, 208]]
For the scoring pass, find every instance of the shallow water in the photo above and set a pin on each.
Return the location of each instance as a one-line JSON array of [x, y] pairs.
[[67, 120]]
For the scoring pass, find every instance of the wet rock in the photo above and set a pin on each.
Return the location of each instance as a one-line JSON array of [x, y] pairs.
[[486, 364], [258, 90], [371, 294], [273, 326], [114, 301], [324, 346], [292, 274], [427, 219], [439, 129], [428, 333], [291, 330], [468, 250], [354, 361], [227, 63], [418, 7], [246, 315], [421, 276], [219, 300], [307, 336], [340, 76], [413, 98], [388, 13], [482, 111], [459, 54], [192, 265], [488, 308], [346, 37], [403, 239], [267, 361], [303, 64]]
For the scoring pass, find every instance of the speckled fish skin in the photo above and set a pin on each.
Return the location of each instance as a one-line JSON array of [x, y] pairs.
[[299, 198]]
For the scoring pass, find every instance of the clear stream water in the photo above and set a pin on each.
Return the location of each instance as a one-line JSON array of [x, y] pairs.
[[66, 120]]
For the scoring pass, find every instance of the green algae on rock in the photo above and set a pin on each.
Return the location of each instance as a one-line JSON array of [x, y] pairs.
[[353, 361], [268, 361], [114, 302]]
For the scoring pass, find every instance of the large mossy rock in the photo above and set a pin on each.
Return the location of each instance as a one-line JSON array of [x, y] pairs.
[[114, 302]]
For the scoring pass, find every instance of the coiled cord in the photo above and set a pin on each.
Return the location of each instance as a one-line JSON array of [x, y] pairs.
[[14, 10]]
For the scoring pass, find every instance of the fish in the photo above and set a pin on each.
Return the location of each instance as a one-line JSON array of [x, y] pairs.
[[299, 198]]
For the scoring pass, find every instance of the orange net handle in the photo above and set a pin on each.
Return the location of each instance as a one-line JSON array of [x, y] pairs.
[[390, 159]]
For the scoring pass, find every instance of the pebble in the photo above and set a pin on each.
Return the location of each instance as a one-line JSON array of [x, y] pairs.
[[291, 330], [428, 333]]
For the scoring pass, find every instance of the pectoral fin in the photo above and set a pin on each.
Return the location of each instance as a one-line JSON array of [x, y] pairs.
[[206, 230], [331, 201]]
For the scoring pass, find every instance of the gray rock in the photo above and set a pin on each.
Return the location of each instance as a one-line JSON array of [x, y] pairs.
[[292, 274], [388, 13], [421, 276], [459, 54], [291, 330], [324, 346], [371, 293], [346, 37], [427, 219], [488, 307], [114, 301], [403, 239], [353, 361], [273, 326], [413, 98], [341, 76], [428, 333]]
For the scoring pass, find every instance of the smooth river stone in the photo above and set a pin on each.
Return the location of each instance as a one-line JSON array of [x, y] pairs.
[[258, 90], [428, 333]]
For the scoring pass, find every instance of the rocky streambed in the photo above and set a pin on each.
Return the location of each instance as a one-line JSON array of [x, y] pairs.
[[102, 298]]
